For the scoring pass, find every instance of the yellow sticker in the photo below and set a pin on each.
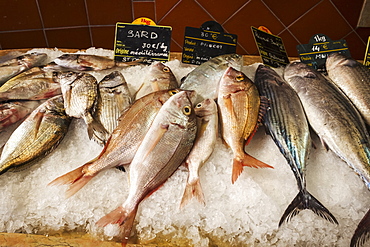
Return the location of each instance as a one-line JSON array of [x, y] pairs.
[[144, 21]]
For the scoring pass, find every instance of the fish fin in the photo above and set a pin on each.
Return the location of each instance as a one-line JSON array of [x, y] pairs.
[[362, 232], [122, 217], [193, 189], [247, 160], [138, 90], [95, 129], [251, 135], [264, 107], [304, 200], [38, 119], [155, 139], [324, 144]]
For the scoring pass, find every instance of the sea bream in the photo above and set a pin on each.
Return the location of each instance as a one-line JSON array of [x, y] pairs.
[[33, 84], [207, 132], [163, 149], [79, 92], [239, 107], [205, 78], [14, 66], [336, 121], [286, 123], [14, 111], [38, 135], [124, 141], [159, 77], [353, 78], [113, 99]]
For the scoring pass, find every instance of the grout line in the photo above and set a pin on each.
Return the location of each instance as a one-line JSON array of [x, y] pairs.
[[42, 24], [237, 11], [55, 28], [155, 11], [132, 10], [174, 6], [205, 10], [88, 23]]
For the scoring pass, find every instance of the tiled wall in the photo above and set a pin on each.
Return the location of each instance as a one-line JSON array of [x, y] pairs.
[[85, 23]]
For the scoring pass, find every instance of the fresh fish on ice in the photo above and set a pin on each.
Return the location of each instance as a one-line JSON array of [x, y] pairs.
[[205, 78], [12, 112], [113, 99], [39, 134], [286, 122], [205, 141], [163, 149], [159, 77], [14, 66], [239, 106]]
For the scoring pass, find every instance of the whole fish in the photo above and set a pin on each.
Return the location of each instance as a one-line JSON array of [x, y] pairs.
[[158, 78], [239, 106], [89, 62], [206, 77], [14, 66], [12, 112], [79, 92], [338, 124], [286, 122], [39, 134], [33, 84], [163, 149], [124, 141], [207, 131], [113, 99], [353, 79]]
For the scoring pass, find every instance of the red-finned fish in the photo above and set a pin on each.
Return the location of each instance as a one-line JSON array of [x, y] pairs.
[[286, 122], [239, 106], [12, 112], [164, 147]]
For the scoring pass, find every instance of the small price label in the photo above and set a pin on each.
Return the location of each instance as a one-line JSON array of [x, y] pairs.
[[317, 50], [367, 54]]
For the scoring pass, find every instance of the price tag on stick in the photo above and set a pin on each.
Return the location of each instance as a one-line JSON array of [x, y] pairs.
[[367, 54]]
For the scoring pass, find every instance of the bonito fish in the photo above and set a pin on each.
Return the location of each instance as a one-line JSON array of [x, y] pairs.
[[79, 92], [113, 99], [207, 132], [89, 62], [39, 134], [33, 84], [12, 112], [338, 124], [286, 122], [353, 79], [14, 66], [124, 141], [159, 77], [162, 150], [205, 78], [239, 106]]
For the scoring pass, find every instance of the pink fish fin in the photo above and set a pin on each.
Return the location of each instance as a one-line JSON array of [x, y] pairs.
[[122, 217], [264, 107], [229, 106], [193, 189], [155, 139], [155, 86], [251, 135], [362, 232], [38, 119], [247, 160], [141, 86]]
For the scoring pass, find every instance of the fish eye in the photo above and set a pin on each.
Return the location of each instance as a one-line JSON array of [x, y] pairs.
[[166, 69], [199, 105], [172, 92], [186, 110], [69, 74], [239, 78]]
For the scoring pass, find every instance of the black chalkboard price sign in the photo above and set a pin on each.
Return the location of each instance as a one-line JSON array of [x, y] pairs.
[[202, 44], [134, 41], [270, 47], [317, 50], [367, 54]]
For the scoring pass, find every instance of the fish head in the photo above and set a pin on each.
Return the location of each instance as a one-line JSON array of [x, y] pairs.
[[32, 59], [336, 59], [233, 81], [68, 77], [266, 73], [161, 77], [205, 108], [113, 79], [234, 60], [181, 109]]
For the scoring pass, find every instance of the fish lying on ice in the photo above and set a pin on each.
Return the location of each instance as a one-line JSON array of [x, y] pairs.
[[239, 106], [38, 135], [207, 132], [163, 149], [12, 112], [124, 141], [286, 122]]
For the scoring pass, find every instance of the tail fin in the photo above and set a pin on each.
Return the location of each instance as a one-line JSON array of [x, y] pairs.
[[96, 129], [362, 232], [304, 200], [247, 160], [192, 189], [122, 217], [76, 178]]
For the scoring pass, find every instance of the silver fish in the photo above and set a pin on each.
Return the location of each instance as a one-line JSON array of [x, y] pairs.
[[14, 66], [286, 122], [12, 112], [164, 147], [114, 98], [39, 134], [353, 79], [206, 77], [159, 77], [207, 132]]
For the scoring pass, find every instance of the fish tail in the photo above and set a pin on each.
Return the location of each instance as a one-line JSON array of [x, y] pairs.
[[122, 217], [247, 160], [193, 189], [362, 232], [96, 129], [304, 200]]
